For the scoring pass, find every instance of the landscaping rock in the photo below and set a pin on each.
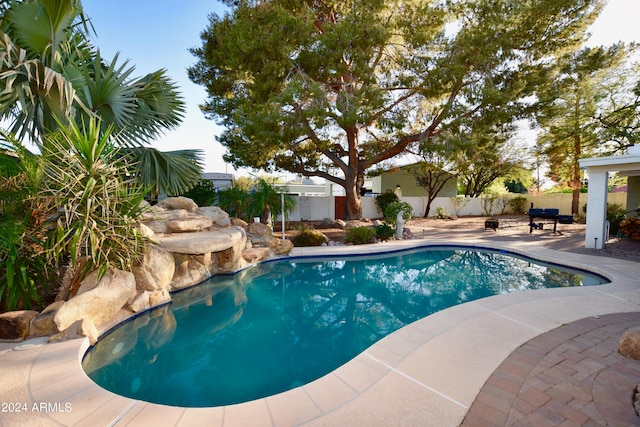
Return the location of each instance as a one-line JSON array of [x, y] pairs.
[[97, 301], [237, 222], [171, 214], [157, 226], [159, 297], [178, 203], [629, 345], [219, 217], [280, 246], [43, 324], [231, 259], [79, 328], [202, 242], [156, 270], [192, 223], [146, 231], [190, 270], [259, 229], [140, 302], [259, 234], [255, 254], [14, 325], [338, 223]]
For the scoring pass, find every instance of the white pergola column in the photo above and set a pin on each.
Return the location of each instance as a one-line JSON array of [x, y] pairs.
[[596, 209]]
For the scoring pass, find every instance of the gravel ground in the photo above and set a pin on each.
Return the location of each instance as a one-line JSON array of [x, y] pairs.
[[569, 237]]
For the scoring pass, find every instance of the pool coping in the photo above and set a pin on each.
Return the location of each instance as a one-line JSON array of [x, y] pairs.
[[427, 373]]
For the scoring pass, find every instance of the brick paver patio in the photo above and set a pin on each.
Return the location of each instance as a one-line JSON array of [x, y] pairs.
[[571, 376]]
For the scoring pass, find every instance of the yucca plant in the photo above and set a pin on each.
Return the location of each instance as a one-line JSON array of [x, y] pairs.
[[86, 181]]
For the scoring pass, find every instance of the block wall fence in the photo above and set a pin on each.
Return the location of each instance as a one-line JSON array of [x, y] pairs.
[[309, 208]]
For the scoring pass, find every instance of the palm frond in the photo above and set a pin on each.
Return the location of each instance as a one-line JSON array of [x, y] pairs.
[[42, 40], [168, 173], [31, 92]]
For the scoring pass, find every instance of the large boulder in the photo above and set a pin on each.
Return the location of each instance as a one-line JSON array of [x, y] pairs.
[[280, 246], [43, 324], [237, 222], [14, 325], [157, 220], [140, 302], [193, 223], [146, 231], [79, 328], [156, 270], [219, 217], [202, 242], [159, 297], [157, 226], [259, 234], [178, 203], [97, 301], [231, 259], [192, 269], [252, 255], [259, 229]]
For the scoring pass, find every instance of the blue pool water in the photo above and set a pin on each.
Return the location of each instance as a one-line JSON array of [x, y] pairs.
[[282, 324]]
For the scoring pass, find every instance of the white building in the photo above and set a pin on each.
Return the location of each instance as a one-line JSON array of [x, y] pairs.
[[221, 181]]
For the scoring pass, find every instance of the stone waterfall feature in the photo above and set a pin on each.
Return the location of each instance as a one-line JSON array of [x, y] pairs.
[[191, 244]]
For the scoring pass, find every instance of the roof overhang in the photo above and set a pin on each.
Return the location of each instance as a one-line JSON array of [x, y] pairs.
[[628, 164]]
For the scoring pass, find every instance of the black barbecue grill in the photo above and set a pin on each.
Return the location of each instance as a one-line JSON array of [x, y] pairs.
[[553, 214]]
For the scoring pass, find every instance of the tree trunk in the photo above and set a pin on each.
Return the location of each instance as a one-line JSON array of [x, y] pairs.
[[576, 182], [575, 201], [353, 185], [354, 204], [428, 207]]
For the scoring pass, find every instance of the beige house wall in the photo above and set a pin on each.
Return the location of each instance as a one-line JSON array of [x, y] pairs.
[[389, 181]]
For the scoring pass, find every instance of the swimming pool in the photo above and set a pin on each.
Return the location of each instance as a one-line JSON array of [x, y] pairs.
[[279, 325]]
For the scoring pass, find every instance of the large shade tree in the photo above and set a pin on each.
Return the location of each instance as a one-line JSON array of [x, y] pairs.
[[571, 111], [332, 88], [51, 74]]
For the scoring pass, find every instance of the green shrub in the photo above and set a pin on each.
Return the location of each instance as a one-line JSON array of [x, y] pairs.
[[385, 199], [518, 205], [459, 202], [615, 215], [203, 193], [384, 232], [442, 213], [308, 237], [235, 201], [391, 211], [359, 235], [24, 275]]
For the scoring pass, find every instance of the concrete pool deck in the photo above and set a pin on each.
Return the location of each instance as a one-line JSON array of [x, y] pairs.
[[428, 373]]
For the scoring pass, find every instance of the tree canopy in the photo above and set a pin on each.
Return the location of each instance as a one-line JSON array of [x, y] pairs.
[[581, 112], [332, 88]]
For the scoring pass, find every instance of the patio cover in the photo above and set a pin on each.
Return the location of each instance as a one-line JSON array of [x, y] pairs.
[[598, 169]]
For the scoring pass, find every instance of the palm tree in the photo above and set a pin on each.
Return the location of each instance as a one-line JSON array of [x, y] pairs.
[[266, 202], [50, 74]]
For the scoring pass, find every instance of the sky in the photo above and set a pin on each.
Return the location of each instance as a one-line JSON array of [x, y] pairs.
[[156, 34]]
